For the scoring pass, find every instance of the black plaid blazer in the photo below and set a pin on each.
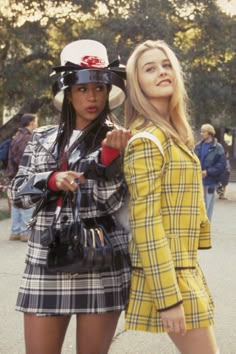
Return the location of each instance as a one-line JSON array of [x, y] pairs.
[[101, 197]]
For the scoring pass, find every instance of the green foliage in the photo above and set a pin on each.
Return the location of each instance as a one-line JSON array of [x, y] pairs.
[[33, 33], [4, 214]]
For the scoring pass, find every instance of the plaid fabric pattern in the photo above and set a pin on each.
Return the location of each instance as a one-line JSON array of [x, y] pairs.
[[167, 213], [142, 315], [41, 292], [63, 294], [99, 198]]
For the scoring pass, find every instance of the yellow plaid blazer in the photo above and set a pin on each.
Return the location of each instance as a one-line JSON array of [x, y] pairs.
[[166, 212]]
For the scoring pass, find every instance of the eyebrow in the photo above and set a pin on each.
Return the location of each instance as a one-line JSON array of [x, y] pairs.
[[153, 62]]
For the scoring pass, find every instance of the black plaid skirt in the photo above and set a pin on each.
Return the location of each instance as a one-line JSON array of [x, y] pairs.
[[64, 294]]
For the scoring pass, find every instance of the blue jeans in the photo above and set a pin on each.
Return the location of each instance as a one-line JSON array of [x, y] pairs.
[[209, 197], [19, 220]]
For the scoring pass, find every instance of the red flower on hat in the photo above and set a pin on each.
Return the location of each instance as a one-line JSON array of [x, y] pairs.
[[92, 62]]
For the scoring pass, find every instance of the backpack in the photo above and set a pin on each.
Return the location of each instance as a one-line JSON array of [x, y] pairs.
[[4, 150]]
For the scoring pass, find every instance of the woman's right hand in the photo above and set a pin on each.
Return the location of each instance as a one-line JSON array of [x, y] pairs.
[[174, 320], [69, 180]]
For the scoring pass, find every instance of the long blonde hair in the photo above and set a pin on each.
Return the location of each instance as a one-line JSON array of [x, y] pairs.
[[137, 104]]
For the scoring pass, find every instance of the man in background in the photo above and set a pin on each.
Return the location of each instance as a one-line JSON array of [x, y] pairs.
[[213, 162], [20, 217]]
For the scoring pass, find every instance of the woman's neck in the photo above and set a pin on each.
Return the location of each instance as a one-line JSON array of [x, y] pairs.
[[162, 105]]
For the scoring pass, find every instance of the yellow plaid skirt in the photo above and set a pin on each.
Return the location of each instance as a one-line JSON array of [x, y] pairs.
[[142, 315]]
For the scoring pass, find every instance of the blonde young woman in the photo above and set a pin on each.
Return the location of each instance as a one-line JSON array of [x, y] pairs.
[[167, 214]]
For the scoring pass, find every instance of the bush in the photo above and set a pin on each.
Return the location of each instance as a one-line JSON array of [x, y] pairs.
[[4, 214], [4, 181]]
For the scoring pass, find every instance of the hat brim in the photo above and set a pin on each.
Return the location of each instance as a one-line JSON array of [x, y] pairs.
[[117, 94]]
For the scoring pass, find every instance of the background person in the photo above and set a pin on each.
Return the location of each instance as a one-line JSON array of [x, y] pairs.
[[224, 180], [20, 217], [167, 214], [213, 163], [84, 93]]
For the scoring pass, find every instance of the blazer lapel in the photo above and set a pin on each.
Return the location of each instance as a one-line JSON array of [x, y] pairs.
[[188, 151]]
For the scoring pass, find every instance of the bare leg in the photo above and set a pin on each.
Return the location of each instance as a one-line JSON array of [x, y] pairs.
[[196, 341], [95, 332], [44, 334]]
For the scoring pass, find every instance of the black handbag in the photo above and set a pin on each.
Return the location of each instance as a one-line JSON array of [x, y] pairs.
[[78, 248]]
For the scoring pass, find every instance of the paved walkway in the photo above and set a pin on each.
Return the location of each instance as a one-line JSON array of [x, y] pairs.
[[219, 266]]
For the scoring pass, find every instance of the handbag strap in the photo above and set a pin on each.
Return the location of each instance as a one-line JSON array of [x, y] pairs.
[[76, 207], [147, 135]]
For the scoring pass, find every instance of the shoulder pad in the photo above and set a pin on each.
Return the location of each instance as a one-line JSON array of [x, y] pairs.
[[44, 128]]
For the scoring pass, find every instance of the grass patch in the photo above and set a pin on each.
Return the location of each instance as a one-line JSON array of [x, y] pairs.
[[3, 194], [4, 214]]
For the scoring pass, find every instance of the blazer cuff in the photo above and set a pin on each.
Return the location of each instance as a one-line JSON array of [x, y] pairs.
[[37, 185], [98, 171], [170, 307]]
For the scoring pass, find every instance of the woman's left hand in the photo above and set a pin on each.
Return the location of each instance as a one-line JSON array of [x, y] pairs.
[[117, 139], [174, 320]]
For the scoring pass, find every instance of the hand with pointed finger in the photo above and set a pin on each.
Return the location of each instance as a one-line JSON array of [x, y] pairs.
[[117, 139], [174, 320], [69, 180]]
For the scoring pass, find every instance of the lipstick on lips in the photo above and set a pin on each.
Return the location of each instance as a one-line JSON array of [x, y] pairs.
[[164, 82], [91, 109]]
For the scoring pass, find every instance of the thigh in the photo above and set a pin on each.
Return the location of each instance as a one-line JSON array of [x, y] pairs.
[[195, 341], [95, 332], [44, 334]]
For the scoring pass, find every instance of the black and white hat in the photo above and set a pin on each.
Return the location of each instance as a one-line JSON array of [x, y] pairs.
[[85, 61]]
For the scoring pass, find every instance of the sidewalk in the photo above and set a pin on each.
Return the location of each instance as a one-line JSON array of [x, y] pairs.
[[231, 193], [4, 204], [219, 266]]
